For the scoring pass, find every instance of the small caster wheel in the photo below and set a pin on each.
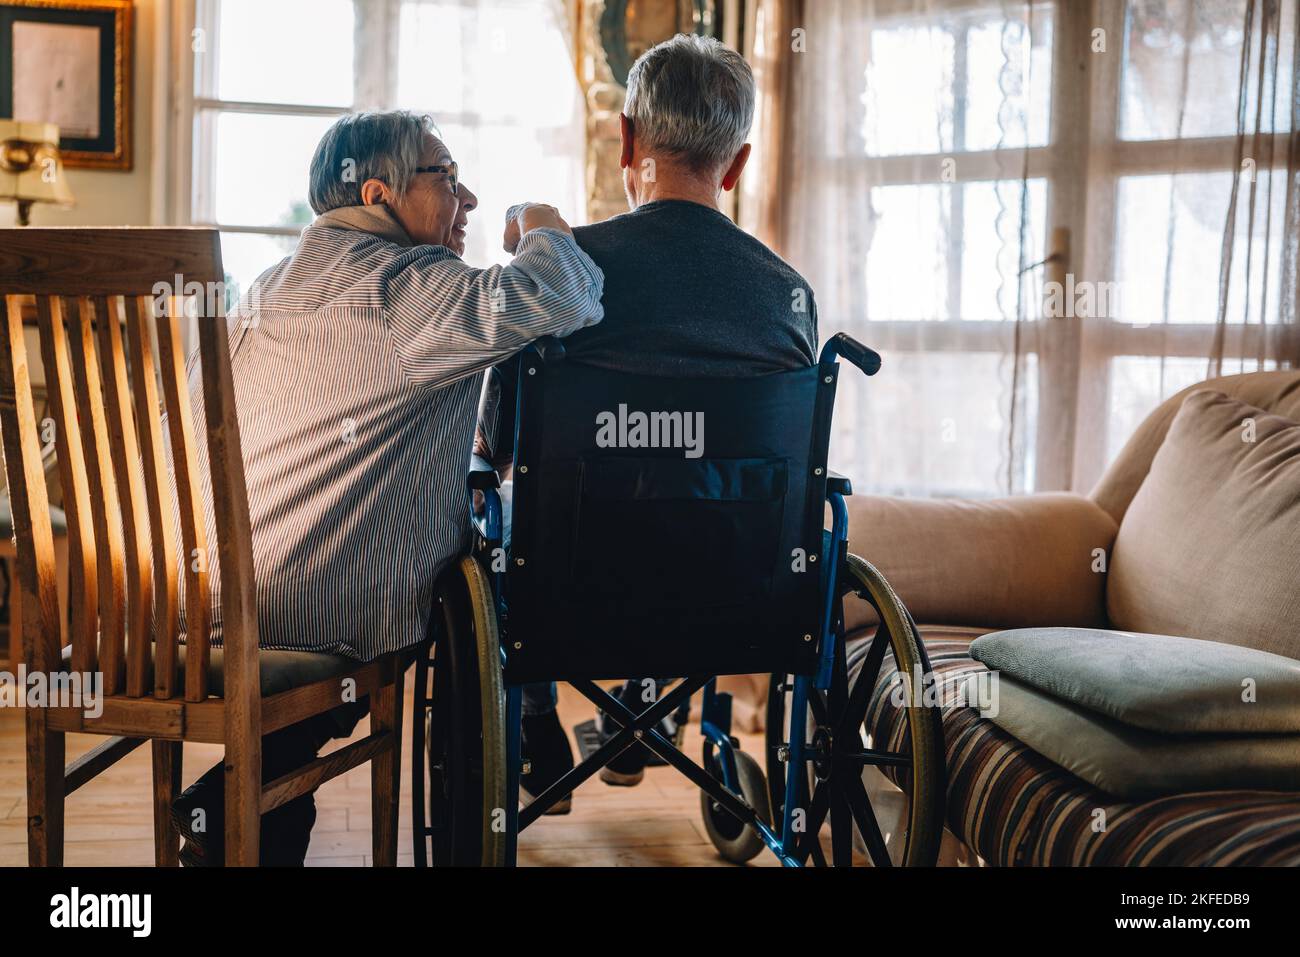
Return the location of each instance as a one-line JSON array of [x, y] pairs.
[[736, 842]]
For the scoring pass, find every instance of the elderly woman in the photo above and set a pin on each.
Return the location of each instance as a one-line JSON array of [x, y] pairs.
[[355, 366]]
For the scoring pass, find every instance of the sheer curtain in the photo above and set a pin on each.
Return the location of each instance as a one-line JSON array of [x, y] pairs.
[[499, 78], [1048, 216]]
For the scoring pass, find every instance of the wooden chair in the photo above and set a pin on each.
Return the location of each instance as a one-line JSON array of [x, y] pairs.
[[95, 288]]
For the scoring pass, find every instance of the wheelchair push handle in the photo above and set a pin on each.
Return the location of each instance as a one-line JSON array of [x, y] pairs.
[[842, 344]]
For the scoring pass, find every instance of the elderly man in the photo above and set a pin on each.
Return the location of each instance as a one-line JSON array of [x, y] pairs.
[[687, 293], [355, 364]]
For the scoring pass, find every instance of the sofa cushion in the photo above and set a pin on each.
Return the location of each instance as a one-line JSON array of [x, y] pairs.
[[1154, 682], [1277, 392], [1011, 805], [1133, 763], [1208, 547]]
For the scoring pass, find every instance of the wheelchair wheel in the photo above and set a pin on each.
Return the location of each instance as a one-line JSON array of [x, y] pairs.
[[465, 726], [834, 727], [735, 841]]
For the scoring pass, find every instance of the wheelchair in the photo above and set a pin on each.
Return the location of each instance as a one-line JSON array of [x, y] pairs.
[[675, 527]]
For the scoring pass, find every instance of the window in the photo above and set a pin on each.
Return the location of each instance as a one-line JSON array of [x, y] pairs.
[[270, 78], [939, 146], [928, 162], [1171, 172]]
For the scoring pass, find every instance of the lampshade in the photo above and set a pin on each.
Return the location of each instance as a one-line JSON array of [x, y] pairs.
[[30, 168]]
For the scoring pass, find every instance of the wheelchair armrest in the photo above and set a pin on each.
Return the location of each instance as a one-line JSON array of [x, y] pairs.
[[482, 475], [835, 482]]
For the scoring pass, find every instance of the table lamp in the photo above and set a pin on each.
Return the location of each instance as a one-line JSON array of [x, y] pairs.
[[30, 168]]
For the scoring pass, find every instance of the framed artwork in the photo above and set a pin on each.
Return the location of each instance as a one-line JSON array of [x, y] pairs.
[[68, 62]]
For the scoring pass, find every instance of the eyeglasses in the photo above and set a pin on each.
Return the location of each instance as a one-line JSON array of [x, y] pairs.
[[452, 171]]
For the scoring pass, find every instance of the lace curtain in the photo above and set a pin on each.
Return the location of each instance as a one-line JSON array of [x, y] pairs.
[[1048, 216]]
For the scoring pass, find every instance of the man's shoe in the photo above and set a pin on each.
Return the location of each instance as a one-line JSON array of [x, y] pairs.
[[546, 748], [628, 768], [199, 816], [192, 856]]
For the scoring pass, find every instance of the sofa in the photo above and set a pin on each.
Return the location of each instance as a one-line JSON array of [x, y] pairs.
[[1193, 532]]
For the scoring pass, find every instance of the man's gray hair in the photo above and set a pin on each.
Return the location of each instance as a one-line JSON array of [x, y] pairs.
[[691, 97], [362, 146]]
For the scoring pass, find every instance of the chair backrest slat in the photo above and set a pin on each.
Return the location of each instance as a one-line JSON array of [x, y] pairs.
[[82, 565], [194, 539], [125, 448], [131, 540], [22, 446], [148, 416], [111, 567]]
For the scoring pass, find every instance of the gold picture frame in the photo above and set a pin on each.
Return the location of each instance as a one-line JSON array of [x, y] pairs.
[[70, 60]]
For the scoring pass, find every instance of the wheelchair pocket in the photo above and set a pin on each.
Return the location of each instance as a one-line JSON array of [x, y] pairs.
[[668, 532]]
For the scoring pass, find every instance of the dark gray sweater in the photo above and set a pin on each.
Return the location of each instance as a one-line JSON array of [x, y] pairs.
[[687, 294]]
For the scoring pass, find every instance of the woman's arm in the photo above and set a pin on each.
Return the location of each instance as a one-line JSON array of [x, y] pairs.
[[449, 320]]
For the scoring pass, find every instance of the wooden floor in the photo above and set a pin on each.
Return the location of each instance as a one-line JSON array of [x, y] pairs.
[[109, 821]]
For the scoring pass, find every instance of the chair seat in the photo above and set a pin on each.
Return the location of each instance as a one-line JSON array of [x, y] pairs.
[[1013, 806], [280, 670]]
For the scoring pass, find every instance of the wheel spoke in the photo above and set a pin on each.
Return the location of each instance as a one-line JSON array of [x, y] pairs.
[[841, 826], [868, 756], [816, 816], [820, 710], [865, 818], [855, 710], [818, 855]]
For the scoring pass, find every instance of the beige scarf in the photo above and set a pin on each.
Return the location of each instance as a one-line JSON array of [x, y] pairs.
[[377, 219]]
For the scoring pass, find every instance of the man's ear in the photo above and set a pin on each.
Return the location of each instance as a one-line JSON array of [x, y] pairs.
[[732, 175], [375, 192], [625, 135]]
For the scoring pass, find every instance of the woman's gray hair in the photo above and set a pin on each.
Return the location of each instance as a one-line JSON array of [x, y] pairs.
[[362, 146], [691, 97]]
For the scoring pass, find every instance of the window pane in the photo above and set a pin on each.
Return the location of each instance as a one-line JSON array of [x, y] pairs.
[[971, 79], [1009, 81], [260, 168], [286, 51], [954, 441], [245, 256], [951, 251], [498, 78], [498, 61], [1169, 249], [991, 248], [1137, 385], [1182, 69], [508, 164]]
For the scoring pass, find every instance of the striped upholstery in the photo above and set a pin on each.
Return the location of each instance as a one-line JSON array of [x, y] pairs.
[[1014, 807]]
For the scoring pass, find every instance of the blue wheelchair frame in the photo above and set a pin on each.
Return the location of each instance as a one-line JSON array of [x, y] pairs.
[[716, 711]]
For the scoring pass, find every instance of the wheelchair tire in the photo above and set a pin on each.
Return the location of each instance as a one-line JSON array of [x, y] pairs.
[[736, 842], [922, 781], [466, 730]]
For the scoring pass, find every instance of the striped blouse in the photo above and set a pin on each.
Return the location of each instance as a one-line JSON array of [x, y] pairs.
[[355, 365]]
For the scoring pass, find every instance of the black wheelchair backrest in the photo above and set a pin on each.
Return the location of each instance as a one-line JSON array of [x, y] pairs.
[[665, 527]]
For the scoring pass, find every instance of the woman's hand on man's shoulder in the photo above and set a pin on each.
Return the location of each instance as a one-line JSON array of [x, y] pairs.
[[525, 217]]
